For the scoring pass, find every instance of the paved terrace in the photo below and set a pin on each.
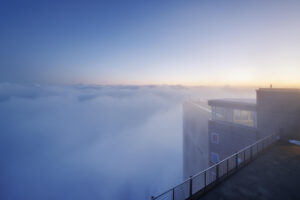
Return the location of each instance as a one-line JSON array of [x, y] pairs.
[[275, 174]]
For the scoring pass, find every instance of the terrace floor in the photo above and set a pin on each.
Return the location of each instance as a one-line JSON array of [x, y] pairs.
[[275, 174]]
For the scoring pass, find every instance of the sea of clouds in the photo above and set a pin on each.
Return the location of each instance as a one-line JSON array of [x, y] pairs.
[[94, 142]]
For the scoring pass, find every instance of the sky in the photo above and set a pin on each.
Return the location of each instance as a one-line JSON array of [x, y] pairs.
[[234, 42]]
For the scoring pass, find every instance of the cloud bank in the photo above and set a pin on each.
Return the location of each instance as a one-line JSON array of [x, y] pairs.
[[93, 142]]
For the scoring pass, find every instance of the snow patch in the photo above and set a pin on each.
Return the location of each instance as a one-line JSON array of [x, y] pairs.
[[296, 142]]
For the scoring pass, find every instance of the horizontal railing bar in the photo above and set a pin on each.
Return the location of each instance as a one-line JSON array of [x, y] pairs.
[[227, 158], [187, 180], [164, 193]]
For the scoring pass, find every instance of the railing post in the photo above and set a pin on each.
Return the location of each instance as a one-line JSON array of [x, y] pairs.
[[236, 161], [204, 180], [227, 163], [173, 194], [217, 172], [251, 152], [271, 140], [281, 132], [191, 186]]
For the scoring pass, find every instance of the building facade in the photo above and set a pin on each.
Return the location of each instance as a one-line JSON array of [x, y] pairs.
[[195, 137], [232, 124]]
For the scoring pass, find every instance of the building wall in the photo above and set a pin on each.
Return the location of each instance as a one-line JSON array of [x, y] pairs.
[[195, 139], [278, 109], [231, 138]]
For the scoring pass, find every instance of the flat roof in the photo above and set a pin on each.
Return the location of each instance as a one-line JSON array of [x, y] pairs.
[[244, 104], [200, 104], [279, 89], [274, 174]]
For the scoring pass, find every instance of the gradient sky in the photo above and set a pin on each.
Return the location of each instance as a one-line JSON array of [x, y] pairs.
[[240, 42]]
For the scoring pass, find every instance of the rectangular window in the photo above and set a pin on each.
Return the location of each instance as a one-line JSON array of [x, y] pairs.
[[222, 114], [214, 137], [238, 116], [214, 157], [244, 117]]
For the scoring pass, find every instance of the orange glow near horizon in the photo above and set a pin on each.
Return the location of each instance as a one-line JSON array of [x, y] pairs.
[[253, 84]]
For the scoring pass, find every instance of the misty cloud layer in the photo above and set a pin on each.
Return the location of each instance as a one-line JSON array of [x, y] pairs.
[[94, 142]]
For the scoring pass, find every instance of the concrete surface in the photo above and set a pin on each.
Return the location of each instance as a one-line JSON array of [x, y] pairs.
[[275, 174]]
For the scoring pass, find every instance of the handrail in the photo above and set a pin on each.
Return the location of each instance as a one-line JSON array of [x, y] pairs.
[[216, 165]]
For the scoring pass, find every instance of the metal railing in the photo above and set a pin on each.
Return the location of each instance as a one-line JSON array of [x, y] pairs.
[[207, 178]]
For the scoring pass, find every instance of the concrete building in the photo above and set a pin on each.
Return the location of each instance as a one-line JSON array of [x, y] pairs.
[[232, 124], [237, 123], [278, 109], [266, 127]]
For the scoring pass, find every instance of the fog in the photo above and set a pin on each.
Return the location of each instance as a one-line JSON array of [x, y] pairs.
[[94, 142]]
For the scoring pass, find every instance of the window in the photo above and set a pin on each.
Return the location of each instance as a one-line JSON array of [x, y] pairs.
[[214, 157], [244, 117], [238, 116], [222, 114], [214, 137]]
